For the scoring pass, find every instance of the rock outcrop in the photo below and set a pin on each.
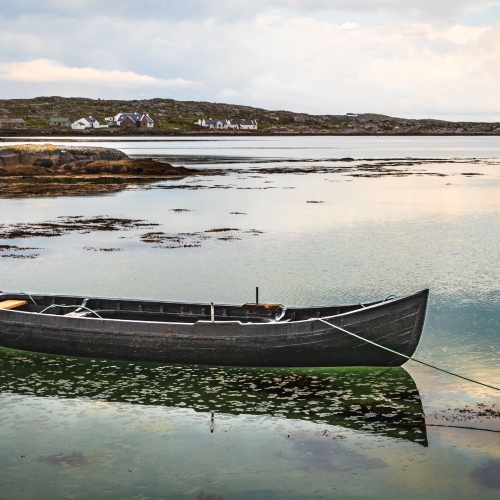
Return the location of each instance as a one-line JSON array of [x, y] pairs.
[[53, 157], [33, 160], [129, 166]]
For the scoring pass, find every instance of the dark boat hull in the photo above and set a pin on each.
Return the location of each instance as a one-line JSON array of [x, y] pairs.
[[396, 324]]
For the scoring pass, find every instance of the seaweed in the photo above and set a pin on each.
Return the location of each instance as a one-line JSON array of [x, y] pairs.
[[94, 249], [65, 225], [195, 239]]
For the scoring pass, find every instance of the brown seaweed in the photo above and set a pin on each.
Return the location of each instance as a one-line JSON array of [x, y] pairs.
[[68, 224]]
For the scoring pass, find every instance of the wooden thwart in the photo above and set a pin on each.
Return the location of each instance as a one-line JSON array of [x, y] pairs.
[[266, 306], [12, 304]]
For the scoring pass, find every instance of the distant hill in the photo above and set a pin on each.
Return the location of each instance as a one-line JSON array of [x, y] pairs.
[[179, 116]]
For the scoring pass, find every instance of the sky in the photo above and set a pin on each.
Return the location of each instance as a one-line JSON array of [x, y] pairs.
[[406, 58]]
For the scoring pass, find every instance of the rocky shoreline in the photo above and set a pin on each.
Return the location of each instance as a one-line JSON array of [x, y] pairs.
[[355, 129], [173, 118], [29, 170]]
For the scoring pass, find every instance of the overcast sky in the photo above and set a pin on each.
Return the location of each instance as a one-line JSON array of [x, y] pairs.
[[420, 58]]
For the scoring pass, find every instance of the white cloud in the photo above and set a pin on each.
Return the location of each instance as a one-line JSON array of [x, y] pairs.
[[428, 10], [276, 61], [48, 71]]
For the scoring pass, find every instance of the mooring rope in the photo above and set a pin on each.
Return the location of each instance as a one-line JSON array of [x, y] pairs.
[[32, 299], [405, 356]]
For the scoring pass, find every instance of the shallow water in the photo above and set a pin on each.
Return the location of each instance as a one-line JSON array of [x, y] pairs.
[[120, 430]]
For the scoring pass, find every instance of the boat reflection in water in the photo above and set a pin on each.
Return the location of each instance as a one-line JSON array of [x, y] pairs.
[[383, 401]]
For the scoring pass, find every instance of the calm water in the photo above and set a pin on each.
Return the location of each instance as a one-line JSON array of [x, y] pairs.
[[75, 428]]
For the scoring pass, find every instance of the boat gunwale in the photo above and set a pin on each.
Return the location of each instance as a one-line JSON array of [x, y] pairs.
[[356, 311]]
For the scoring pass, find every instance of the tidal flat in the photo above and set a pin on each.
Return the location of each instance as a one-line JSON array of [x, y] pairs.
[[311, 221]]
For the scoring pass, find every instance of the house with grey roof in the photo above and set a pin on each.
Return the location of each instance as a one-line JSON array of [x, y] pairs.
[[131, 120], [60, 122]]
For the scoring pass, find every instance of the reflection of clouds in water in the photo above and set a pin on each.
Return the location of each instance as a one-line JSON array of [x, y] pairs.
[[322, 452], [488, 474], [464, 440]]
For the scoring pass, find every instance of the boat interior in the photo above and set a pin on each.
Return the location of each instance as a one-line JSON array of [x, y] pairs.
[[165, 312]]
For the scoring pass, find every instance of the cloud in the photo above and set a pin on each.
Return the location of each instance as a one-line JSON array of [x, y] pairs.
[[272, 60], [48, 71], [196, 10]]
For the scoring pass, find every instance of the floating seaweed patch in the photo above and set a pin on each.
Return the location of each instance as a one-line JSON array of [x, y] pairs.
[[94, 249], [254, 232], [74, 459], [68, 224], [173, 240], [221, 230], [21, 256], [15, 248], [208, 496], [468, 413], [195, 239], [228, 238]]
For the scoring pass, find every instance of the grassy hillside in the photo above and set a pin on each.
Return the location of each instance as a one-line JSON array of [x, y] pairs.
[[179, 116], [167, 113]]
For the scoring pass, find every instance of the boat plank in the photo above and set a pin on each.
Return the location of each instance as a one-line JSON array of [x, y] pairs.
[[12, 304]]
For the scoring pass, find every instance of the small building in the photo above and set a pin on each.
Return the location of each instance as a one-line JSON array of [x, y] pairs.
[[84, 123], [217, 124], [244, 124], [131, 120], [60, 122], [79, 125], [227, 124], [12, 123]]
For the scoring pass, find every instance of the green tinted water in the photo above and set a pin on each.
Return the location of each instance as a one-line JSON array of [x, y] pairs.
[[75, 428]]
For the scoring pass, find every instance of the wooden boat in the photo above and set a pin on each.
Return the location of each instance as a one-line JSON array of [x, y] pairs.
[[233, 335]]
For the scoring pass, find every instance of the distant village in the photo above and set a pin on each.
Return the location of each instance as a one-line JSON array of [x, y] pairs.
[[129, 121]]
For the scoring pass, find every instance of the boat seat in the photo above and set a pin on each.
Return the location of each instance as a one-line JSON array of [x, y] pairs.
[[12, 304]]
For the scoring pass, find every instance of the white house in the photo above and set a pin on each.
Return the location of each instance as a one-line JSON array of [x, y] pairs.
[[219, 124], [141, 120], [244, 124], [84, 123], [228, 124]]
